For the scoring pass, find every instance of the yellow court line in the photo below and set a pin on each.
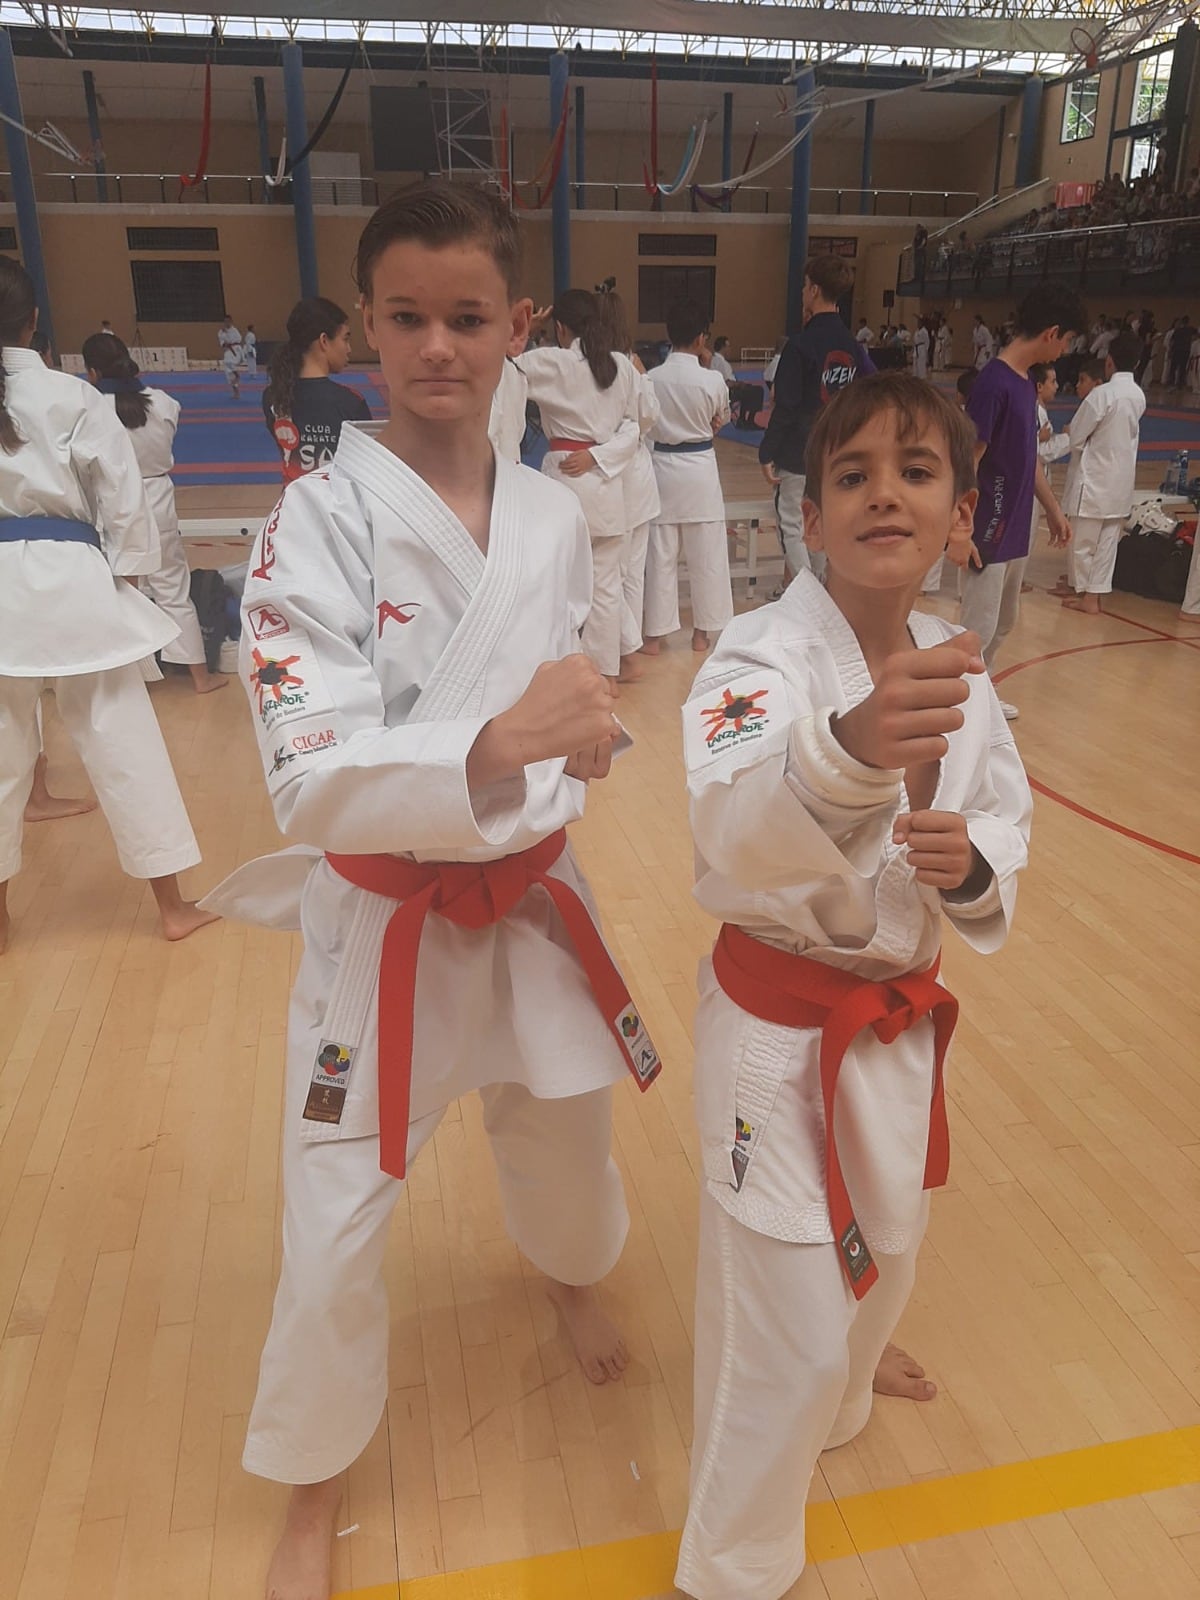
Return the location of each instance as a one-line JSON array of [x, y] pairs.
[[633, 1569]]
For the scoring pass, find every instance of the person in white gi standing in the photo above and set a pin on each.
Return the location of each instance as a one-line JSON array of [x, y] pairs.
[[982, 343], [921, 350], [230, 340], [694, 405], [151, 418], [427, 727], [74, 524], [588, 396], [250, 351], [1104, 435], [819, 739]]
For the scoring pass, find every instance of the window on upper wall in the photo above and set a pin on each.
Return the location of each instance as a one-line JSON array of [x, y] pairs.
[[178, 291], [659, 288], [1150, 89], [1079, 109]]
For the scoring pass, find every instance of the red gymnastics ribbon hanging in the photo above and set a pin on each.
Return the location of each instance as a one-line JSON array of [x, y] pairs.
[[553, 161], [650, 174], [198, 176], [718, 197]]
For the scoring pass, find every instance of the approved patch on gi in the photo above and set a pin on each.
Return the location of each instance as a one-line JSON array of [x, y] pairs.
[[330, 1076], [637, 1045]]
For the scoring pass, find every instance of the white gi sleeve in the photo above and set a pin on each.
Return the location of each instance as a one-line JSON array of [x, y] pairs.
[[579, 577], [106, 464], [722, 410], [998, 817], [340, 778], [1086, 420], [774, 798]]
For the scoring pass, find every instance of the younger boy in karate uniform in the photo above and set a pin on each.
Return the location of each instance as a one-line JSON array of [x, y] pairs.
[[852, 779], [694, 402], [1104, 435], [427, 728]]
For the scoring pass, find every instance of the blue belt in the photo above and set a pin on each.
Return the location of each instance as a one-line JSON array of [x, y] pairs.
[[14, 530], [688, 447]]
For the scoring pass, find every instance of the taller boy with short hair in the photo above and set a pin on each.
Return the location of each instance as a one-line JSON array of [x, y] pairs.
[[851, 780], [819, 360], [1003, 407], [427, 727], [694, 406]]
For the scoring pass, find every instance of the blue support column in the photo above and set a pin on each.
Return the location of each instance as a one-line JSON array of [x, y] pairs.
[[801, 191], [727, 149], [1031, 126], [580, 148], [24, 197], [1179, 95], [302, 201], [264, 130], [560, 200], [867, 175], [93, 116]]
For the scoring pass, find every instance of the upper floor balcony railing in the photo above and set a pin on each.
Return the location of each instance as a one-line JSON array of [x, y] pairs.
[[1155, 256]]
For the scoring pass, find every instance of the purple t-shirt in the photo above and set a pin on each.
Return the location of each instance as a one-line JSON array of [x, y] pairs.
[[1003, 407]]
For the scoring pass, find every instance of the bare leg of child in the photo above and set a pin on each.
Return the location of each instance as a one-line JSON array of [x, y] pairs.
[[4, 922], [179, 917], [652, 647], [204, 681], [1089, 604], [700, 641], [898, 1374], [598, 1344], [302, 1566], [631, 669], [42, 806]]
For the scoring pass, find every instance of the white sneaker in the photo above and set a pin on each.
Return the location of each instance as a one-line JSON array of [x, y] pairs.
[[1010, 711]]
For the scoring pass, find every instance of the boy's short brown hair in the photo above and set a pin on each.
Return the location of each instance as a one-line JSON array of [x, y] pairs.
[[915, 404], [438, 214], [832, 275]]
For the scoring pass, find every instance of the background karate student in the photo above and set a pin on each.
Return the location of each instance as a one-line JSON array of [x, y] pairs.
[[851, 780], [150, 418], [427, 727], [74, 523], [1104, 435], [694, 405], [303, 405]]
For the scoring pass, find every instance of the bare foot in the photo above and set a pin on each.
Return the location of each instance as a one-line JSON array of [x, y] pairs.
[[204, 681], [1089, 604], [898, 1374], [699, 640], [5, 927], [651, 647], [1061, 591], [183, 919], [302, 1566], [631, 669], [46, 807], [599, 1346], [1026, 588]]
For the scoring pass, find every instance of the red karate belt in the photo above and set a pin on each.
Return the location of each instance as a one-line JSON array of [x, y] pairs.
[[795, 991], [472, 894], [561, 446]]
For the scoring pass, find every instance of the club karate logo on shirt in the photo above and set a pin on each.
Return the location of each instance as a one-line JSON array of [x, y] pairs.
[[265, 622], [279, 690]]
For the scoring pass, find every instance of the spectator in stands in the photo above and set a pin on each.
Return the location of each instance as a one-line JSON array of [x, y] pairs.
[[864, 335], [1180, 346], [745, 398]]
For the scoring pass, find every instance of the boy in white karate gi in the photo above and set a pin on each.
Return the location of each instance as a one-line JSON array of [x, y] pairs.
[[427, 728], [852, 780], [694, 406], [1104, 435]]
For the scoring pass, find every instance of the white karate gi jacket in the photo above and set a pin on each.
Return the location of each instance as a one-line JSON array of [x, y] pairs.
[[573, 406], [1051, 449], [639, 486], [1104, 436], [506, 425], [377, 642], [66, 608], [154, 447], [694, 402], [793, 845]]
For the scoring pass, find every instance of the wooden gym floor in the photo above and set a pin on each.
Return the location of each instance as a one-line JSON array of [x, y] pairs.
[[1057, 1304]]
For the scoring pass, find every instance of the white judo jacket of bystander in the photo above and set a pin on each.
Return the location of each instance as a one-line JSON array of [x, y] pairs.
[[1104, 435], [794, 846]]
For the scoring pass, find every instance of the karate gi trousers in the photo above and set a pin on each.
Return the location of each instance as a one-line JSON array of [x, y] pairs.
[[601, 636], [706, 552], [116, 734], [785, 1360], [170, 589], [323, 1379], [991, 603], [1094, 551], [633, 587], [789, 503]]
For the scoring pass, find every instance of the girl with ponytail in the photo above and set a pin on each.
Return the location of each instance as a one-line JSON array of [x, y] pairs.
[[303, 406], [151, 417], [594, 411], [74, 527]]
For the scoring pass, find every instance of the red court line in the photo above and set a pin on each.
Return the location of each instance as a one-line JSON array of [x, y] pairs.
[[224, 469], [1157, 637]]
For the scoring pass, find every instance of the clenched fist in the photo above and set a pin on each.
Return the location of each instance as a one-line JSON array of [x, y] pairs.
[[904, 721], [939, 850], [567, 708]]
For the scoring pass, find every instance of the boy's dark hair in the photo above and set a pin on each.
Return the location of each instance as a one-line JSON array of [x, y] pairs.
[[832, 275], [1039, 372], [18, 311], [915, 404], [686, 321], [719, 344], [966, 382], [1050, 305], [437, 214], [1125, 351], [1093, 368]]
